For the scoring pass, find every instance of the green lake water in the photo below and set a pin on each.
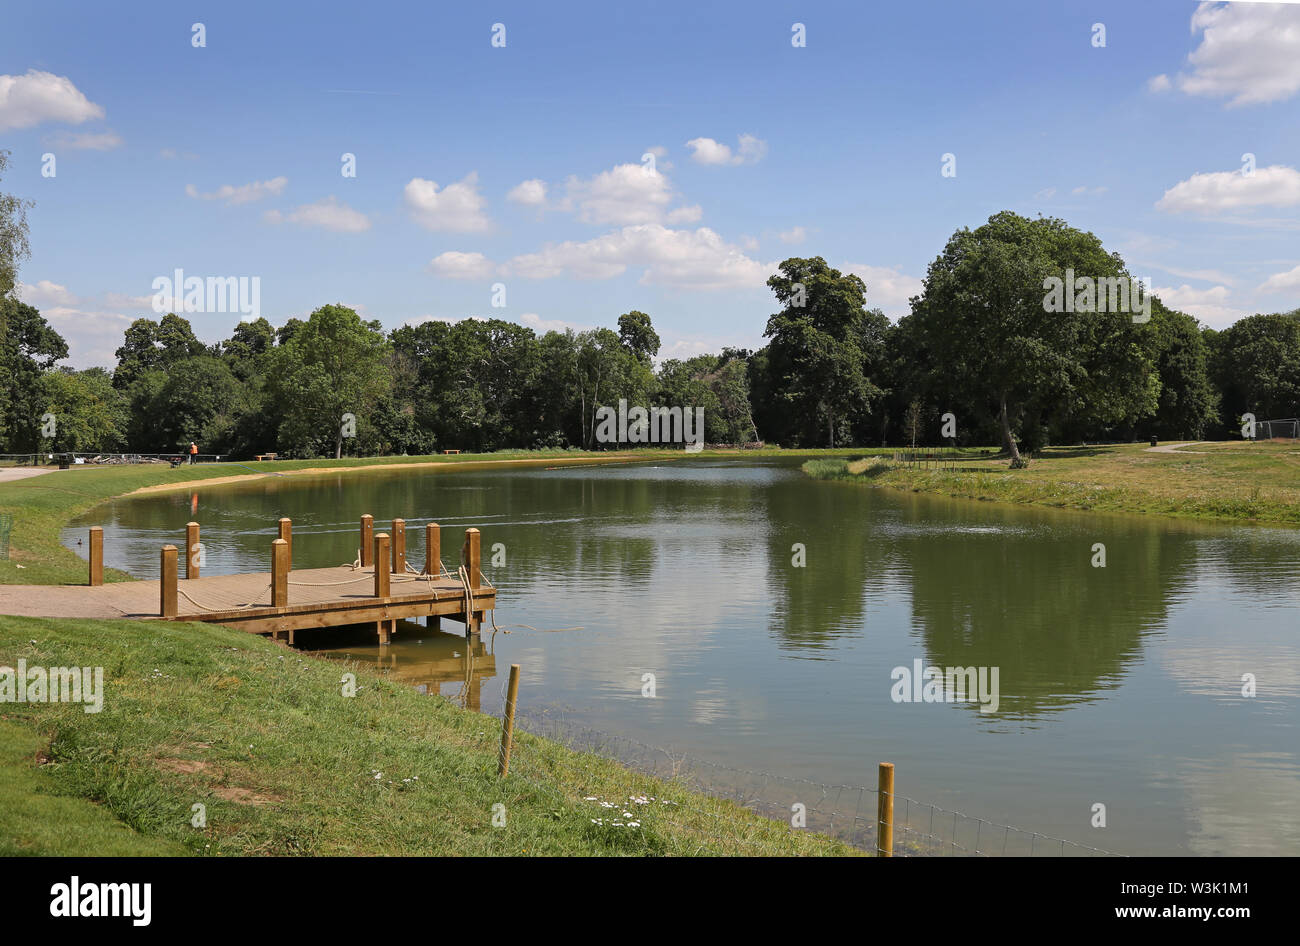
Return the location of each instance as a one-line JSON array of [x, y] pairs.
[[1119, 686]]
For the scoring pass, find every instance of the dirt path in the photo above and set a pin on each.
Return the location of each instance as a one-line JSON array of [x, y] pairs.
[[10, 473], [1176, 447]]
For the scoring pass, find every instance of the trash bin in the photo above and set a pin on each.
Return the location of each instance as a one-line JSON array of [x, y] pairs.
[[1154, 441], [65, 462], [6, 523]]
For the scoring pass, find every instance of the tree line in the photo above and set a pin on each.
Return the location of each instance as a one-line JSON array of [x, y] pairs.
[[978, 343]]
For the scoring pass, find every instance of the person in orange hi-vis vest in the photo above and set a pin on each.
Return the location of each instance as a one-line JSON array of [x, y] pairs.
[[194, 450]]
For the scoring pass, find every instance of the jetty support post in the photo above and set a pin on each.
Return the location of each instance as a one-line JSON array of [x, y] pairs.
[[286, 533], [399, 546], [191, 550], [167, 583], [380, 558], [96, 556], [367, 533], [470, 558], [508, 724], [885, 810], [279, 573], [433, 561]]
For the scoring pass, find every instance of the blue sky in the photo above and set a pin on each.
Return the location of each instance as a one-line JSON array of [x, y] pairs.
[[225, 160]]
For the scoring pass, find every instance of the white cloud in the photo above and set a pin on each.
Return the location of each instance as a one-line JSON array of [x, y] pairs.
[[1083, 190], [327, 214], [625, 194], [243, 194], [457, 265], [695, 259], [1159, 83], [793, 235], [541, 325], [1047, 193], [887, 289], [1208, 305], [38, 97], [45, 293], [530, 193], [1204, 275], [457, 208], [691, 214], [749, 150], [1274, 186], [1288, 281], [1249, 53], [85, 141], [171, 154]]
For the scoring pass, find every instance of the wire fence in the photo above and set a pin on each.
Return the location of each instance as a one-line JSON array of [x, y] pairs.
[[843, 812]]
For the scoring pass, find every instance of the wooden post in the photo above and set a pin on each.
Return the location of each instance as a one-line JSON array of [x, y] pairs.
[[469, 556], [167, 583], [191, 550], [508, 724], [885, 810], [433, 562], [367, 532], [432, 549], [96, 556], [381, 565], [279, 572], [399, 546], [286, 533]]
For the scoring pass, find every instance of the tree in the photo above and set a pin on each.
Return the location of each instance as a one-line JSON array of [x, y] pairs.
[[1188, 404], [994, 345], [638, 335], [153, 346], [28, 348], [89, 413], [823, 343], [333, 364], [13, 234], [1257, 367]]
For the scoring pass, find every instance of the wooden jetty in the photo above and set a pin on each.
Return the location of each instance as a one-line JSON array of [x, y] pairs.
[[379, 588]]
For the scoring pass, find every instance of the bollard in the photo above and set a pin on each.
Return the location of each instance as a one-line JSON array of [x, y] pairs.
[[286, 533], [167, 583], [367, 533], [381, 565], [279, 573], [508, 724], [96, 556], [191, 550], [885, 810], [399, 546], [432, 549]]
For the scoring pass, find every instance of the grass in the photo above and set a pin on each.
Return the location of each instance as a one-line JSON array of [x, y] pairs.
[[1230, 481], [263, 737]]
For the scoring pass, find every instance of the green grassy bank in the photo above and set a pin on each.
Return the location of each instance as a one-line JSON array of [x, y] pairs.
[[1232, 481], [284, 763]]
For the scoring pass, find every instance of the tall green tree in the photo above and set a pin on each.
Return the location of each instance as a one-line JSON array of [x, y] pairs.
[[1256, 362], [823, 344], [13, 233], [29, 347], [996, 345], [334, 364]]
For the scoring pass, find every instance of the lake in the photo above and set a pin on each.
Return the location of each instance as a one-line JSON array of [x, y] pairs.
[[1119, 685]]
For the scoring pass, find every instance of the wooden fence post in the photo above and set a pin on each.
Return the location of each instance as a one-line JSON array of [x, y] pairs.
[[885, 810], [286, 533], [367, 533], [381, 565], [399, 546], [167, 583], [191, 550], [469, 555], [508, 724], [279, 573], [96, 555], [432, 549]]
